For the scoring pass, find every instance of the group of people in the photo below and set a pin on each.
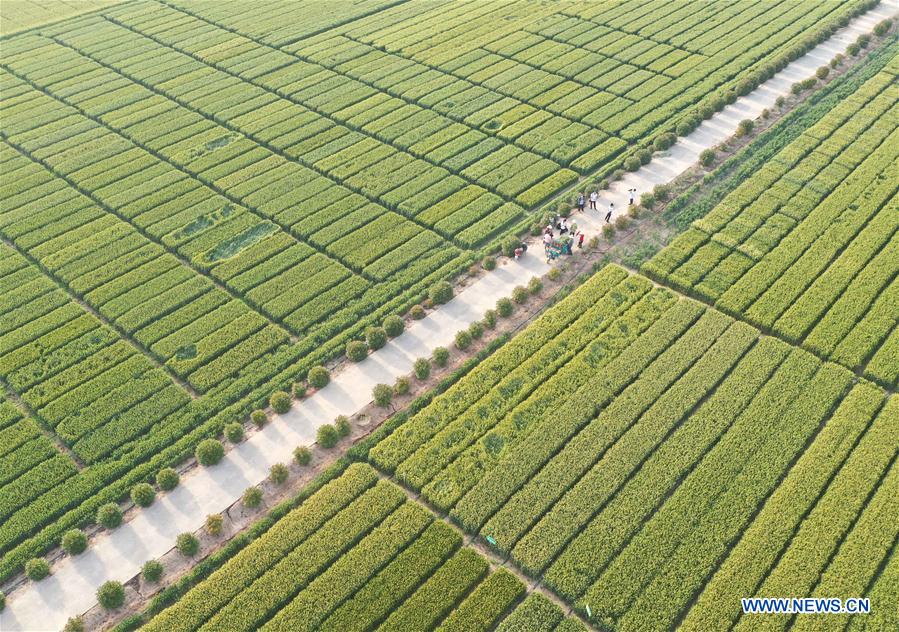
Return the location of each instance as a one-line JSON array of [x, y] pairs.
[[562, 244], [559, 237], [593, 198]]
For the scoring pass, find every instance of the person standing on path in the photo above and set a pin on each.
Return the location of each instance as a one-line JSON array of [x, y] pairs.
[[593, 197], [632, 193], [580, 202], [580, 240], [611, 210]]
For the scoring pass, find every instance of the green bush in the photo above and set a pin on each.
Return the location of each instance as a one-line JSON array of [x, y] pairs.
[[535, 285], [882, 27], [661, 192], [504, 307], [299, 390], [809, 83], [143, 495], [394, 325], [111, 595], [520, 294], [490, 318], [401, 386], [356, 350], [622, 222], [634, 211], [853, 49], [706, 111], [318, 377], [382, 395], [152, 571], [417, 312], [278, 473], [258, 417], [209, 452], [342, 425], [554, 274], [422, 368], [463, 340], [780, 101], [280, 402], [234, 432], [745, 127], [476, 330], [109, 515], [647, 199], [489, 263], [707, 157], [608, 231], [682, 129], [645, 156], [187, 544], [822, 72], [252, 497], [666, 140], [302, 455], [73, 624], [837, 60], [509, 244], [375, 337], [616, 175], [167, 479], [441, 292], [74, 541], [2, 601], [863, 40], [441, 356], [632, 163], [327, 436], [214, 524], [37, 568]]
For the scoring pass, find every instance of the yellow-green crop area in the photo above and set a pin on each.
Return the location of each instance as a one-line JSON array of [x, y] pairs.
[[202, 200]]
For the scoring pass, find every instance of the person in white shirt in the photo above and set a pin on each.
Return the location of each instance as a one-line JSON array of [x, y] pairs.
[[593, 197]]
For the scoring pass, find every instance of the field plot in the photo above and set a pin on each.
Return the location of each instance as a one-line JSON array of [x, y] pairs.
[[808, 248], [354, 556], [203, 200], [655, 460]]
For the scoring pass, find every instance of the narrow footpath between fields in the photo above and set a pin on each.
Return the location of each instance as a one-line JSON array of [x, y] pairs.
[[119, 554]]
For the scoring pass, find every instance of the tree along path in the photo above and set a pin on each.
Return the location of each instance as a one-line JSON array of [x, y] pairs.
[[151, 532]]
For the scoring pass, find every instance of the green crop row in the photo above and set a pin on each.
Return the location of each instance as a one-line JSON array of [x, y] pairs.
[[538, 371], [622, 435], [619, 356], [638, 576], [753, 556], [396, 448], [513, 418]]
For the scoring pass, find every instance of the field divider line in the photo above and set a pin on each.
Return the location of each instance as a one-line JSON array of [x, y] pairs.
[[632, 32], [76, 298], [493, 559], [264, 144], [42, 424], [381, 90], [89, 195]]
